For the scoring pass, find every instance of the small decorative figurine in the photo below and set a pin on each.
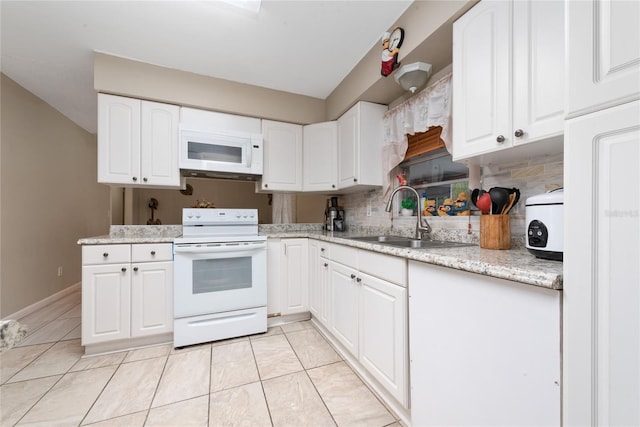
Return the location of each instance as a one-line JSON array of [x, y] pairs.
[[391, 43], [459, 207]]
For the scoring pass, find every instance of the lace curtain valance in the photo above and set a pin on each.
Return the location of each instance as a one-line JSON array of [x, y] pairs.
[[431, 107]]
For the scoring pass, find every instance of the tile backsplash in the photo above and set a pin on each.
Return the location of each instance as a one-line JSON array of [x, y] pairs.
[[533, 176]]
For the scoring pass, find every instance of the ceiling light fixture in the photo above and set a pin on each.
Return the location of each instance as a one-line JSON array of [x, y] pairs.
[[250, 5], [413, 76]]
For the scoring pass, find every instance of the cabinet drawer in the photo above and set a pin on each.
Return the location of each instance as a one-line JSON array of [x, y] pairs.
[[385, 267], [105, 254], [148, 252], [324, 249], [344, 255]]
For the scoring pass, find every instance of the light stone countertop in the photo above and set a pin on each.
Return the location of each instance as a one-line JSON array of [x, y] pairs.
[[515, 264]]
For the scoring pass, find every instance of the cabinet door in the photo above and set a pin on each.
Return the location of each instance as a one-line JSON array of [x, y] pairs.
[[106, 299], [282, 156], [151, 298], [538, 70], [319, 281], [344, 306], [294, 277], [603, 54], [320, 145], [348, 137], [118, 140], [159, 144], [482, 83], [315, 292], [602, 316], [274, 286], [383, 334]]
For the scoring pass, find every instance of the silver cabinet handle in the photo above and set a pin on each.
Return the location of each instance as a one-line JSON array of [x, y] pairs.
[[153, 252], [500, 139], [353, 276], [105, 255], [326, 265], [123, 269], [135, 178], [518, 133], [145, 179], [135, 268], [358, 280]]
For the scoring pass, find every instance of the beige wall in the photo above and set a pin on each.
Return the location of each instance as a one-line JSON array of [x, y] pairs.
[[141, 80], [49, 198], [223, 194]]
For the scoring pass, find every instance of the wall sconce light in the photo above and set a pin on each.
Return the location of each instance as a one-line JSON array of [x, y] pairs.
[[413, 76]]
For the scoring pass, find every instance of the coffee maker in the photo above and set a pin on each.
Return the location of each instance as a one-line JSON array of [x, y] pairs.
[[334, 216]]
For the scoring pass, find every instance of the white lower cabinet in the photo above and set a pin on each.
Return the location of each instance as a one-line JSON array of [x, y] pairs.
[[319, 305], [484, 351], [151, 298], [127, 292], [382, 339], [368, 314], [287, 276], [344, 300]]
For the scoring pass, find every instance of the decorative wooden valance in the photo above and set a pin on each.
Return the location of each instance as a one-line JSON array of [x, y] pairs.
[[424, 142]]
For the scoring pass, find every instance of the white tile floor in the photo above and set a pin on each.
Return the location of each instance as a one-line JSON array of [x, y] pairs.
[[289, 376]]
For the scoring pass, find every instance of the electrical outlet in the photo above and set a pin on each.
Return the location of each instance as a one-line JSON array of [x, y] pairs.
[[369, 208], [60, 271]]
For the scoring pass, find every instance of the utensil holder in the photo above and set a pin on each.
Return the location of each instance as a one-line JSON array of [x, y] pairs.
[[495, 232]]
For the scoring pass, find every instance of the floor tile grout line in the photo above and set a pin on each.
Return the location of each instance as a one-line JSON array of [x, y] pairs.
[[29, 364], [305, 370], [101, 391], [38, 400], [155, 392], [366, 384], [250, 339], [264, 393]]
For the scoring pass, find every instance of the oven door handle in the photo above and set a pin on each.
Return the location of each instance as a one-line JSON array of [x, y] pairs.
[[189, 249]]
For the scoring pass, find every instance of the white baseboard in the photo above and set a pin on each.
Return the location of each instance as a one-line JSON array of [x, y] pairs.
[[43, 303]]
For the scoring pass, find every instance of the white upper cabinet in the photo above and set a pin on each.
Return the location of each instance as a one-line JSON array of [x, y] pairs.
[[282, 157], [360, 133], [137, 142], [159, 144], [603, 56], [320, 156], [508, 67]]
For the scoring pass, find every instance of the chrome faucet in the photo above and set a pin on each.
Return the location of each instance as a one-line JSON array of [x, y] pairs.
[[422, 226]]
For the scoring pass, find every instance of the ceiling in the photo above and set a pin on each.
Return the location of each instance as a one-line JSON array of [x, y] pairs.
[[304, 47]]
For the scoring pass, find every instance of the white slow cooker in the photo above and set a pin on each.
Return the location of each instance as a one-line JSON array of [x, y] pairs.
[[545, 224]]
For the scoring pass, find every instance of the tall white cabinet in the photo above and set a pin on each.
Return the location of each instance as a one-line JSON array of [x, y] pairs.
[[137, 142], [508, 61], [601, 347]]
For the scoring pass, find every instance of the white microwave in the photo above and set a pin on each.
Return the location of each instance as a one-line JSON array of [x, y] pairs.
[[220, 154]]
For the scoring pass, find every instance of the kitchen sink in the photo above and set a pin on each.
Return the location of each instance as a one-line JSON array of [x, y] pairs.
[[380, 239], [407, 242]]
